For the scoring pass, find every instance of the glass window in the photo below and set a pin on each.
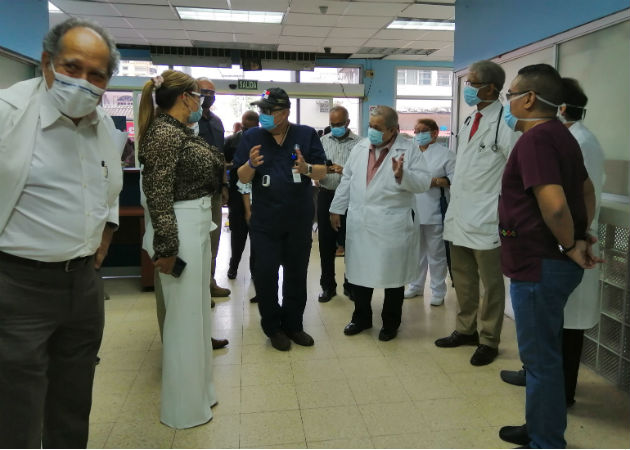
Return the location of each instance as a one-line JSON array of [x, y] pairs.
[[139, 69], [415, 82], [345, 75], [119, 105], [409, 111]]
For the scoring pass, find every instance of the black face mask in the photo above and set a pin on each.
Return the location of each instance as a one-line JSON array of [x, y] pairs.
[[207, 102]]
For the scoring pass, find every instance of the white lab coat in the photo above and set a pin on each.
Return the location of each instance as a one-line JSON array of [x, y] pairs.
[[472, 219], [19, 115], [441, 163], [382, 239], [582, 309]]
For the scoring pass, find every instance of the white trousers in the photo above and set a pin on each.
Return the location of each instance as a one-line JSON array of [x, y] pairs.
[[187, 389], [433, 258]]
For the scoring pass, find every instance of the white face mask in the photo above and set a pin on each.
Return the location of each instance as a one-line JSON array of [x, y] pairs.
[[74, 97]]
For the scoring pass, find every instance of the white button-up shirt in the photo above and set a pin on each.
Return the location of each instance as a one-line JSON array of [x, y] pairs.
[[63, 207], [338, 151]]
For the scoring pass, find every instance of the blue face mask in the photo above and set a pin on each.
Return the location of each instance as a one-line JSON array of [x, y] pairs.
[[509, 119], [375, 136], [266, 121], [470, 95], [195, 116], [338, 131], [423, 138]]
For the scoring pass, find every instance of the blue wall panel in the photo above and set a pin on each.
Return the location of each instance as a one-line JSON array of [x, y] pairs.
[[488, 28], [23, 25]]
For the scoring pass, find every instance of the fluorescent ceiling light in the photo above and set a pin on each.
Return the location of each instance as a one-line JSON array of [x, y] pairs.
[[229, 15], [53, 9], [422, 24]]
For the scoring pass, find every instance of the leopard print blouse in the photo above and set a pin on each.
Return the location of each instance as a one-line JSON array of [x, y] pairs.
[[177, 166]]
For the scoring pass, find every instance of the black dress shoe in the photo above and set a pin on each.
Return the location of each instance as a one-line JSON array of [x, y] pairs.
[[326, 295], [219, 343], [280, 341], [387, 335], [515, 435], [515, 377], [301, 338], [354, 328], [456, 339], [484, 355], [231, 274]]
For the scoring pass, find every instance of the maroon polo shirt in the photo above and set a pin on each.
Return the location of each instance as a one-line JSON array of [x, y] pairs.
[[546, 154]]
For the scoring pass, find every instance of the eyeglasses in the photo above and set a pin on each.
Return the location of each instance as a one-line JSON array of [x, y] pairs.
[[207, 93], [510, 95], [474, 83], [269, 110]]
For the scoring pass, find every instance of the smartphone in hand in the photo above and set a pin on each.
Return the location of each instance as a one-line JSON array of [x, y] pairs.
[[178, 267]]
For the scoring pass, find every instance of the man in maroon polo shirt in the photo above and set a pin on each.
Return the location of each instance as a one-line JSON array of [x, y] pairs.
[[547, 202]]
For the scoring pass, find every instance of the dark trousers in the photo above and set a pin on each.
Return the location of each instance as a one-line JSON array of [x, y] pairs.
[[238, 229], [291, 249], [328, 239], [51, 326], [392, 306], [572, 341]]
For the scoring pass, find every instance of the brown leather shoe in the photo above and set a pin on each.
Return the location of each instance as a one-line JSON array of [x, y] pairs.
[[218, 291], [219, 343]]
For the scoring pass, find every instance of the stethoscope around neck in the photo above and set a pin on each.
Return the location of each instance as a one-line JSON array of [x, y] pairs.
[[494, 147]]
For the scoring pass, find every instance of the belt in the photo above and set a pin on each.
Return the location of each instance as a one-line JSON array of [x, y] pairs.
[[67, 266]]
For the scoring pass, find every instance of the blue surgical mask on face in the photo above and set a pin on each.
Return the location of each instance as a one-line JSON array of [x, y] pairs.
[[509, 119], [470, 95], [338, 131], [195, 116], [423, 138], [266, 121], [375, 136]]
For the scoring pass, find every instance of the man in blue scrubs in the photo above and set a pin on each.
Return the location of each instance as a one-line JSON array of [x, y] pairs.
[[280, 159]]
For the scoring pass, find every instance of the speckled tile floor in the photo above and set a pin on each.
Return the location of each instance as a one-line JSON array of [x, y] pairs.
[[345, 392]]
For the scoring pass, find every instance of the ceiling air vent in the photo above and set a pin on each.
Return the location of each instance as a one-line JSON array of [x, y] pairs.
[[388, 51]]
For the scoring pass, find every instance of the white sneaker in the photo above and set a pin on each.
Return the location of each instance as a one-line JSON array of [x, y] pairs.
[[435, 301], [412, 292]]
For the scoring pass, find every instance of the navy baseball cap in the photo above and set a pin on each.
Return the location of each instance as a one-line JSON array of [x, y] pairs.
[[274, 98]]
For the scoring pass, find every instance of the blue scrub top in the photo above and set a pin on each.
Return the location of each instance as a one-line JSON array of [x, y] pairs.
[[283, 203]]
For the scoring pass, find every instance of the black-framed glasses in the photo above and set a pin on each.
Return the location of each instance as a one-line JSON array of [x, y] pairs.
[[269, 110], [509, 95]]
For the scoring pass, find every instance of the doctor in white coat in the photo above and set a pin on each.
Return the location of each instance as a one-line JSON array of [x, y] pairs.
[[377, 189], [582, 310], [441, 163], [472, 221]]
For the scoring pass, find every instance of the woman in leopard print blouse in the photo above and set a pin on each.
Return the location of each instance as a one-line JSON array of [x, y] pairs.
[[178, 178]]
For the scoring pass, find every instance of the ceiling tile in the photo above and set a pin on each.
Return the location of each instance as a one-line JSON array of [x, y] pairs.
[[257, 28], [365, 21], [56, 19], [123, 32], [74, 7], [132, 41], [437, 36], [399, 34], [172, 42], [428, 44], [292, 30], [386, 43], [312, 7], [352, 32], [147, 12], [342, 49], [256, 39], [266, 5], [375, 9], [210, 36], [217, 4], [295, 40], [299, 48], [332, 41], [204, 25], [429, 12], [107, 22], [317, 20], [164, 34], [141, 2]]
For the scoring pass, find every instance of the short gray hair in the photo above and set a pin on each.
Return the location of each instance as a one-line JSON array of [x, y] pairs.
[[52, 40], [342, 109], [389, 114], [489, 72]]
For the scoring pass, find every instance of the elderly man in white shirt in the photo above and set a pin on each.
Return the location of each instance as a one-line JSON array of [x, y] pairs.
[[429, 208], [60, 178], [471, 224]]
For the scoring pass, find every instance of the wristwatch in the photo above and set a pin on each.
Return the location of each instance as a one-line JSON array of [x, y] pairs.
[[309, 169], [564, 250]]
